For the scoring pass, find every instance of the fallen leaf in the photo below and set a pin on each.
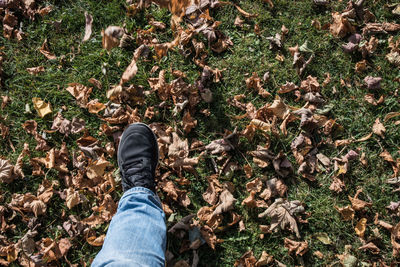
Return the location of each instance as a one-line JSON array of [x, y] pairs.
[[72, 198], [41, 107], [373, 82], [346, 259], [370, 247], [254, 82], [35, 70], [46, 52], [38, 207], [323, 237], [360, 227], [238, 22], [319, 254], [341, 26], [212, 191], [6, 171], [219, 146], [95, 82], [111, 37], [44, 11], [265, 260], [300, 248], [226, 202], [94, 106], [358, 204], [361, 66], [346, 212], [378, 128], [188, 122], [391, 115], [248, 171], [96, 241], [80, 92], [282, 214], [246, 260], [88, 26]]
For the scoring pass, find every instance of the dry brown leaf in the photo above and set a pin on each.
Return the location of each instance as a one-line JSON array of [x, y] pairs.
[[300, 248], [80, 92], [358, 204], [255, 185], [391, 115], [211, 193], [38, 207], [96, 241], [174, 193], [275, 187], [238, 22], [188, 122], [179, 148], [262, 156], [94, 106], [31, 128], [265, 260], [370, 247], [361, 66], [96, 168], [373, 82], [226, 202], [45, 11], [360, 227], [41, 107], [46, 52], [248, 171], [209, 236], [5, 99], [111, 37], [371, 99], [282, 214], [287, 87], [254, 82], [341, 26], [218, 146], [244, 13], [35, 70], [346, 212], [88, 26], [246, 260], [72, 198], [378, 128], [95, 82], [6, 171]]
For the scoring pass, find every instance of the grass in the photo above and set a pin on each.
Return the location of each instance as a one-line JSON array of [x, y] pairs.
[[77, 62]]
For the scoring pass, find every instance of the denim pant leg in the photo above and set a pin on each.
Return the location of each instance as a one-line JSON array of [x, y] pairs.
[[137, 232]]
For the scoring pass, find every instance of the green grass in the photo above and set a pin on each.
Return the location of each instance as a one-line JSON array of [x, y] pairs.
[[77, 62]]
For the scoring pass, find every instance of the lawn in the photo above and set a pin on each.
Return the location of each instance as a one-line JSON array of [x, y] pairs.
[[254, 113]]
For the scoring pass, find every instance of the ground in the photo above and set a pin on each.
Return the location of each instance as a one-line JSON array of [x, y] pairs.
[[79, 61]]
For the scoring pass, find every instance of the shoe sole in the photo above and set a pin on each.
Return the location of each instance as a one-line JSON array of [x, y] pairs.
[[126, 132]]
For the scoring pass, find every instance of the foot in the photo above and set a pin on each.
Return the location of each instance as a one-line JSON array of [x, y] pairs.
[[138, 157]]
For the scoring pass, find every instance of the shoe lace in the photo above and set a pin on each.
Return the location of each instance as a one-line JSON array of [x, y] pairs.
[[138, 173]]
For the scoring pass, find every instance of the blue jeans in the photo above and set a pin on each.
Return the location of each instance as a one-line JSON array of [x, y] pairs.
[[137, 234]]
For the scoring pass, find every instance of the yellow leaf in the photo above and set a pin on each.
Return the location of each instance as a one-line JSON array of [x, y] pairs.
[[360, 227], [41, 107]]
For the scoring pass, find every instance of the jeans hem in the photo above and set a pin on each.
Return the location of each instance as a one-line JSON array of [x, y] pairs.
[[140, 189]]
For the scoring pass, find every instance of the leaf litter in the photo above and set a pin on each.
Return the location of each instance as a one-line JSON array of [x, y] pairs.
[[93, 175]]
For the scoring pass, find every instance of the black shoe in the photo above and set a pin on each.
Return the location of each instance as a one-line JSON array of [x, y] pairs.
[[138, 157]]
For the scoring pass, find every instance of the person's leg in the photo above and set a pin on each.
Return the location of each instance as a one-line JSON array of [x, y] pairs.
[[137, 233]]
